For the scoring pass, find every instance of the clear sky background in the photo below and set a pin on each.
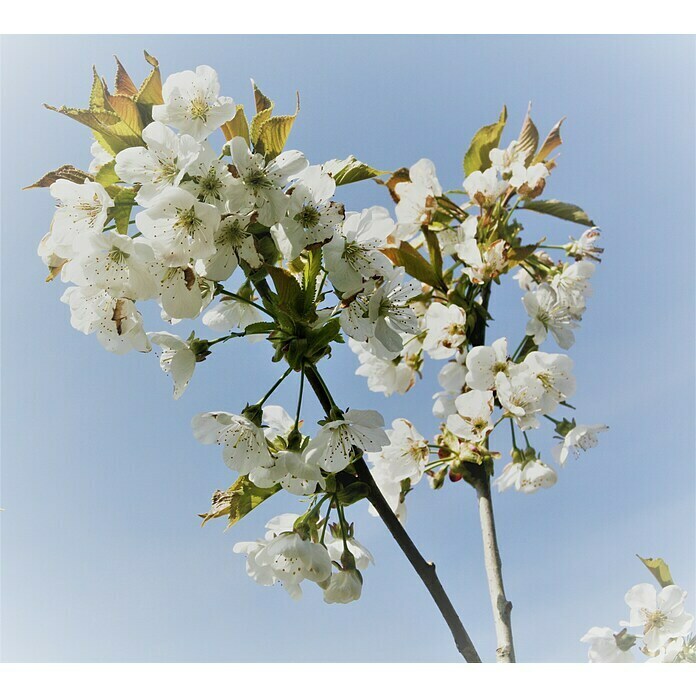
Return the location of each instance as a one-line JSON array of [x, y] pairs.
[[103, 558]]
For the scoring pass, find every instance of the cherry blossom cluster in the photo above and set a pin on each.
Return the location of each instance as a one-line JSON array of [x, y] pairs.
[[483, 384], [198, 218], [658, 626], [188, 204]]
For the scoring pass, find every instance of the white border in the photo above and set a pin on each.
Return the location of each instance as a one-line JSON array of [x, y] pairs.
[[350, 17]]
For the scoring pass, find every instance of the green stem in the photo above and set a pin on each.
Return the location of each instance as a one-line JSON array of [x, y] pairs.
[[274, 387]]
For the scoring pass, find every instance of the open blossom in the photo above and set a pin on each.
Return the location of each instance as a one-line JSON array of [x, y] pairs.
[[382, 317], [603, 646], [585, 247], [526, 477], [520, 394], [580, 438], [505, 160], [177, 359], [572, 285], [332, 448], [353, 255], [482, 267], [549, 314], [407, 453], [485, 187], [116, 322], [529, 181], [116, 263], [179, 227], [417, 199], [485, 362], [259, 185], [81, 213], [208, 179], [312, 217], [244, 444], [660, 614], [233, 243], [555, 373], [284, 556], [361, 555], [192, 103], [160, 165], [446, 330], [472, 422], [461, 240], [385, 375], [182, 294]]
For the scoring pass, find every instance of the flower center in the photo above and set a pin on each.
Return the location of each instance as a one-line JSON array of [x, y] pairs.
[[654, 619], [188, 221], [118, 255], [308, 217], [199, 108]]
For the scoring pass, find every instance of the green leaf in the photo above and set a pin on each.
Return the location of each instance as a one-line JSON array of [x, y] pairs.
[[659, 569], [477, 157], [553, 140], [124, 200], [414, 264], [273, 135], [434, 251], [563, 211], [237, 126], [67, 171], [290, 294], [352, 170], [97, 97], [106, 176], [259, 327], [238, 500], [528, 139]]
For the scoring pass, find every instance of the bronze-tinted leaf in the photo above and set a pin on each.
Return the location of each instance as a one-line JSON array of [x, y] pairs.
[[553, 140], [528, 139], [67, 171], [237, 126], [123, 84]]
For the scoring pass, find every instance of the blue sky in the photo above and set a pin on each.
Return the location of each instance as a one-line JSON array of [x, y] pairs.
[[103, 558]]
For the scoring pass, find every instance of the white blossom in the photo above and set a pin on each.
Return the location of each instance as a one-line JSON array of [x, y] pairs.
[[388, 376], [526, 477], [417, 199], [332, 448], [116, 322], [192, 103], [548, 313], [555, 373], [209, 179], [353, 255], [344, 586], [259, 185], [81, 213], [446, 330], [485, 187], [100, 157], [177, 359], [230, 314], [381, 317], [485, 362], [580, 438], [603, 646], [312, 217], [116, 263], [472, 422], [182, 294], [520, 394], [660, 614], [585, 247], [179, 227], [244, 445], [160, 165]]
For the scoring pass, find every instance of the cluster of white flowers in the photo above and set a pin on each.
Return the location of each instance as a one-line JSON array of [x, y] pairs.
[[482, 385], [662, 628], [162, 214]]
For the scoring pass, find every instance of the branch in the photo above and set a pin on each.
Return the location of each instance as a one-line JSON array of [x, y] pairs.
[[425, 570], [502, 608]]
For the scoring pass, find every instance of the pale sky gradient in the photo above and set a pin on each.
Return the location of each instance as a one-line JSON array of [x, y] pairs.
[[103, 558]]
